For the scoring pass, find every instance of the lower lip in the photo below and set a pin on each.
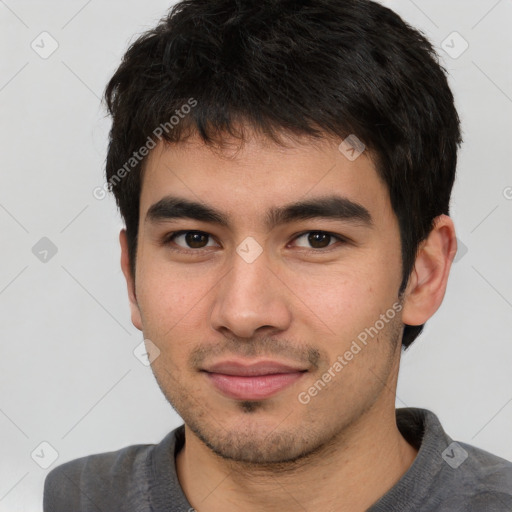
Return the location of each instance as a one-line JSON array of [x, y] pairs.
[[252, 388]]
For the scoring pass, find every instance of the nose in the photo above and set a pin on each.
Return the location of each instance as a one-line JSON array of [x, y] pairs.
[[250, 298]]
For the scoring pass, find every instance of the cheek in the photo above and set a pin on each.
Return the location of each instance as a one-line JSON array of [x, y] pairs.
[[170, 301], [348, 294], [167, 287]]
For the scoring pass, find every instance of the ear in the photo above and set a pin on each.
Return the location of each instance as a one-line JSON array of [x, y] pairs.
[[130, 281], [427, 283]]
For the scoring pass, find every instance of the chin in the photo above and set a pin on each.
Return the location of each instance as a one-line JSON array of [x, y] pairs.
[[256, 441]]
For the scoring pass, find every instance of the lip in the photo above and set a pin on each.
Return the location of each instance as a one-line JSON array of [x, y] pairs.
[[248, 369], [252, 381]]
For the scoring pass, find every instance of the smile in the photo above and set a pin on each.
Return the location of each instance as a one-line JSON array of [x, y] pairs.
[[252, 381]]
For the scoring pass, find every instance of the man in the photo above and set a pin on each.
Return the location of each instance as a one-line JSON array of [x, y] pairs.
[[284, 170]]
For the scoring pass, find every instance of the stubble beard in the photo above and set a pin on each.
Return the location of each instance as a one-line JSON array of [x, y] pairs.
[[254, 442]]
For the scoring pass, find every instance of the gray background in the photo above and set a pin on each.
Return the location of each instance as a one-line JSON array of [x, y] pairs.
[[68, 376]]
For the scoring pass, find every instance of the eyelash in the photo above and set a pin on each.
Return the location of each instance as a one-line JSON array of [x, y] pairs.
[[168, 240]]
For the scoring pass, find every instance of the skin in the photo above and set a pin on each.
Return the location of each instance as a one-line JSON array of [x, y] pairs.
[[295, 303]]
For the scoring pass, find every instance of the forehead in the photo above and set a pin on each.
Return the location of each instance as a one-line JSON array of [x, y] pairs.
[[250, 178]]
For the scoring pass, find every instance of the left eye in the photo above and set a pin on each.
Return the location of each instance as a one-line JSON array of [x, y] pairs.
[[317, 239]]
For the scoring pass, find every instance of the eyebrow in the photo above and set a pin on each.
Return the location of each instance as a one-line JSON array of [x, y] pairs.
[[330, 207]]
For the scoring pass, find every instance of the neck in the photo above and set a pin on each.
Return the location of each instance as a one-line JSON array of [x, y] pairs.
[[357, 468]]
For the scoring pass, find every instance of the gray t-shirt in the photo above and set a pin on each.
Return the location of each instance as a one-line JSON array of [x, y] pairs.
[[445, 476]]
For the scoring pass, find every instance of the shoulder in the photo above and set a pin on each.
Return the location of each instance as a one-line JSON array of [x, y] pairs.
[[105, 481], [450, 475], [474, 480], [486, 477]]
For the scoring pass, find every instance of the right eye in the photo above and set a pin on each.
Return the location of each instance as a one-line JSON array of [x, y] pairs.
[[191, 241]]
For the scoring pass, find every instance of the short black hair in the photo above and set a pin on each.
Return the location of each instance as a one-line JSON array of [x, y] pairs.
[[305, 67]]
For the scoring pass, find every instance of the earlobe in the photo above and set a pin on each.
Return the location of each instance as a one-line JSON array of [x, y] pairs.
[[130, 281], [428, 280]]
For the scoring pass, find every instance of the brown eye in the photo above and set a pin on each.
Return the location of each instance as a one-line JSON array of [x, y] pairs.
[[190, 240], [196, 240], [316, 239]]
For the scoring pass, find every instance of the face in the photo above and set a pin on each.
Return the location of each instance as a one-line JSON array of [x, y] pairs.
[[274, 300]]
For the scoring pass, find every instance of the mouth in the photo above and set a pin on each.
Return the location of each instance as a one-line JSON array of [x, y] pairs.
[[252, 381]]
